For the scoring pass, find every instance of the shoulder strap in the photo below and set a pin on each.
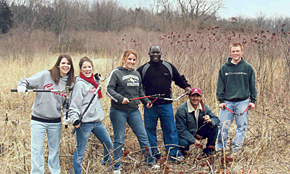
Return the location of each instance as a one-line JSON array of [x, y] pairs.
[[166, 64]]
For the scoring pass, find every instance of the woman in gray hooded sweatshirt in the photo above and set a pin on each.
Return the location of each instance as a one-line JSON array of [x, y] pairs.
[[125, 83], [46, 111], [91, 120]]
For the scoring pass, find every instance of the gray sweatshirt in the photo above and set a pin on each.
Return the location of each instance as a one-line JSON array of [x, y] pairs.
[[46, 105], [123, 83], [82, 93]]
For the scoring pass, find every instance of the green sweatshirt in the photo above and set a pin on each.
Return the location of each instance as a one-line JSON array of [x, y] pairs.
[[236, 82]]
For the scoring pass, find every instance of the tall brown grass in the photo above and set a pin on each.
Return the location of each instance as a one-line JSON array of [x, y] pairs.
[[198, 54]]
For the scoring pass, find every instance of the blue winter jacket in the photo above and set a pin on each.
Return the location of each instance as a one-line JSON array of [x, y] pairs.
[[186, 122]]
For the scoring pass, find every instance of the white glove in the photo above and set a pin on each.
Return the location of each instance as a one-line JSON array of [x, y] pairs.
[[21, 89], [65, 121]]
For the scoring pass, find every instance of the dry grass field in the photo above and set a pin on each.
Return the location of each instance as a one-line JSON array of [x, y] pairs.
[[196, 54]]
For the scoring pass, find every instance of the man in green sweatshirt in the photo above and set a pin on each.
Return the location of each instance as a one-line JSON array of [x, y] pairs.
[[236, 92]]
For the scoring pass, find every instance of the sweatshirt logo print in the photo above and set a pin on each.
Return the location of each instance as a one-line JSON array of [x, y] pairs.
[[131, 80], [235, 73], [49, 87]]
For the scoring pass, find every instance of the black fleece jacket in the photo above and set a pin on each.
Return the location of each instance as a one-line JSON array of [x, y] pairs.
[[157, 80]]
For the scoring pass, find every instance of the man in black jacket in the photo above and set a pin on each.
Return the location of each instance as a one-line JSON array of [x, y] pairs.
[[157, 76]]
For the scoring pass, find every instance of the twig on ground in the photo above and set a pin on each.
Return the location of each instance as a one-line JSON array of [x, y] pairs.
[[275, 150]]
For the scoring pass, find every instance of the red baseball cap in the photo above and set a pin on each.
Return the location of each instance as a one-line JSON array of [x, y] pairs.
[[195, 91]]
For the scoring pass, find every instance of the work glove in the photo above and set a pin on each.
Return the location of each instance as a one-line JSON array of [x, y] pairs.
[[65, 121], [21, 89], [97, 76]]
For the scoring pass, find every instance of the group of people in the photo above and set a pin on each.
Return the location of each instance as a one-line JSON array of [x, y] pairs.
[[126, 87]]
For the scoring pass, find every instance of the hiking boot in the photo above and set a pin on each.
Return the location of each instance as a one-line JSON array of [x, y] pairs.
[[156, 155]]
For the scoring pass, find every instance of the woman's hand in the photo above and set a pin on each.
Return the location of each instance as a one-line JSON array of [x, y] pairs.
[[77, 126], [149, 105], [125, 101]]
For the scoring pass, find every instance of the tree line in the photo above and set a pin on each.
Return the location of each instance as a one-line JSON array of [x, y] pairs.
[[109, 15]]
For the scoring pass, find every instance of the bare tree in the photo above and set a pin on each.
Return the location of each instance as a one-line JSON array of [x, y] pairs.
[[261, 21], [201, 10]]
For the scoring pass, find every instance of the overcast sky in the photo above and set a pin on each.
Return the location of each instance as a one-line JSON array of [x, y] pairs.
[[253, 8], [245, 8]]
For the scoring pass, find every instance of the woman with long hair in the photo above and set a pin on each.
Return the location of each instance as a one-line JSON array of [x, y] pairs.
[[46, 111], [125, 83], [87, 117]]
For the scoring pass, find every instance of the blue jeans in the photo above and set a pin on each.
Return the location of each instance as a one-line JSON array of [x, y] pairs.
[[119, 118], [205, 131], [53, 131], [226, 118], [170, 135], [83, 134]]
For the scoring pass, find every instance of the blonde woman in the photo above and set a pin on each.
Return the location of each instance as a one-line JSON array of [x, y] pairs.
[[124, 83]]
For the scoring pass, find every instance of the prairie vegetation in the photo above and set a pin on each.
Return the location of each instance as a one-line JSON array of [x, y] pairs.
[[198, 54]]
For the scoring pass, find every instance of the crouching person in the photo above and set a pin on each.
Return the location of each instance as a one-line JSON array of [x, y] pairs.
[[195, 122], [87, 119]]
